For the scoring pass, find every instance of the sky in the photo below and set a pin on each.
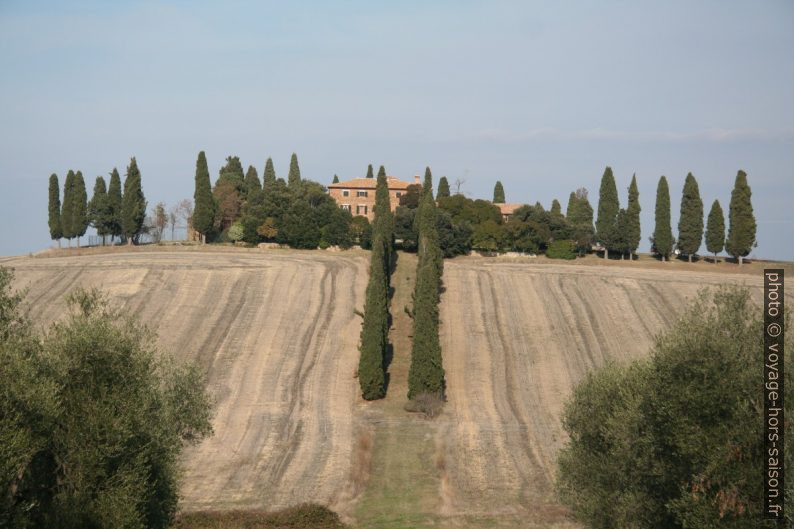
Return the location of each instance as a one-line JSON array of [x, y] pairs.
[[539, 95]]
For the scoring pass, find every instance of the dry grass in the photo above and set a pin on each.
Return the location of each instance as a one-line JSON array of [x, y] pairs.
[[306, 516]]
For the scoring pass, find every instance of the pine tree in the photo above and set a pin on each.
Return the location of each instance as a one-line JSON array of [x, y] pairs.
[[336, 180], [97, 208], [690, 221], [252, 183], [294, 176], [443, 188], [556, 208], [133, 203], [114, 204], [370, 174], [715, 230], [204, 202], [54, 210], [67, 207], [498, 193], [269, 176], [608, 207], [382, 171], [742, 226], [79, 207], [663, 232], [634, 231]]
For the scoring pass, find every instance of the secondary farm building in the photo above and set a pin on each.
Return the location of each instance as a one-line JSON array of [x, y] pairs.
[[358, 195]]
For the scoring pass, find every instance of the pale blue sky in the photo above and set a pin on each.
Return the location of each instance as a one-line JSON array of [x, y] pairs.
[[537, 95]]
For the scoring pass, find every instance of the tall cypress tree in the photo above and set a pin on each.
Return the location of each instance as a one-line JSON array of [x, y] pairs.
[[97, 208], [571, 208], [67, 207], [204, 203], [690, 221], [620, 240], [114, 204], [294, 176], [556, 208], [269, 176], [336, 180], [663, 232], [608, 207], [54, 210], [252, 184], [382, 171], [443, 188], [498, 193], [133, 203], [634, 231], [79, 207], [742, 226], [715, 230], [427, 184], [370, 174]]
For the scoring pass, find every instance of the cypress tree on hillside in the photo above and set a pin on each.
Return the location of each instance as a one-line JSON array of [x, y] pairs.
[[742, 226], [133, 203], [443, 188], [715, 230], [97, 208], [690, 221], [634, 232], [79, 207], [67, 207], [54, 210], [571, 208], [294, 176], [498, 193], [382, 171], [204, 203], [336, 179], [556, 208], [427, 184], [580, 216], [269, 176], [114, 204], [663, 232], [620, 241], [232, 172], [252, 183], [608, 207], [370, 174]]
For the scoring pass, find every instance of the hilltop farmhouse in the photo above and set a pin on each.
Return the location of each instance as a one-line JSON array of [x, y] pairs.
[[358, 194]]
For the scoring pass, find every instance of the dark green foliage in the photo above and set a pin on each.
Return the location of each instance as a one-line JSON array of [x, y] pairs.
[[633, 233], [269, 176], [674, 441], [79, 201], [405, 230], [306, 516], [98, 209], [204, 202], [662, 240], [427, 183], [608, 207], [114, 203], [715, 230], [382, 171], [580, 217], [690, 221], [489, 236], [443, 188], [556, 208], [133, 203], [252, 184], [361, 231], [426, 374], [92, 420], [742, 226], [562, 249], [336, 179], [412, 196], [306, 217], [232, 172], [370, 174], [472, 211], [620, 241], [498, 193], [454, 238], [294, 176], [54, 209]]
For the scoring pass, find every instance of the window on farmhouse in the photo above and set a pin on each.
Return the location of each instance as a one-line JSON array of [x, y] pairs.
[[361, 193], [346, 207], [361, 210], [345, 192]]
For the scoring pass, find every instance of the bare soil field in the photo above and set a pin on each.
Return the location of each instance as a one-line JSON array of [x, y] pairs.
[[516, 338], [277, 334]]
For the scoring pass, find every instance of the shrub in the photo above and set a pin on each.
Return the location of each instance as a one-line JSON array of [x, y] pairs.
[[564, 249], [235, 232], [429, 404]]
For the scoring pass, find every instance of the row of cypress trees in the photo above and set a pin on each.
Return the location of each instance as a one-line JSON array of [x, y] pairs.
[[740, 239], [375, 327], [426, 374], [109, 211], [618, 229]]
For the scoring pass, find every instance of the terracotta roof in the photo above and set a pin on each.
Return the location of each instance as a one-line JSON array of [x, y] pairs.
[[508, 209], [370, 183]]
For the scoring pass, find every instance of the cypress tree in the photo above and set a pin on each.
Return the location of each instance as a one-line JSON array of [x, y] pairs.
[[443, 188], [79, 207], [556, 208], [54, 210], [67, 207], [382, 171], [252, 183], [690, 221], [336, 179], [427, 184], [133, 203], [204, 202], [370, 174], [715, 230], [608, 207], [634, 231], [663, 232], [114, 204], [742, 226], [269, 176], [294, 176], [571, 208], [97, 208], [498, 193]]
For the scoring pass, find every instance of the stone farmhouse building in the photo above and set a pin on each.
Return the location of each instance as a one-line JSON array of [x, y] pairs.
[[358, 194]]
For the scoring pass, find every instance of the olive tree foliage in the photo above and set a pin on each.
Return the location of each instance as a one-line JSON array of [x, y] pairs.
[[92, 418], [675, 440]]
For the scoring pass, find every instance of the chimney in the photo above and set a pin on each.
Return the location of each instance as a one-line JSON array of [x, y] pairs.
[[417, 180]]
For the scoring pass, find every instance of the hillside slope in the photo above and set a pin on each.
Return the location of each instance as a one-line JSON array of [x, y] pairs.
[[277, 334]]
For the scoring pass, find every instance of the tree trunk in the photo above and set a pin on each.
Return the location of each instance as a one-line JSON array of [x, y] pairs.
[[59, 244], [606, 253], [740, 260], [78, 241], [663, 258], [622, 256], [689, 257], [129, 241], [715, 258]]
